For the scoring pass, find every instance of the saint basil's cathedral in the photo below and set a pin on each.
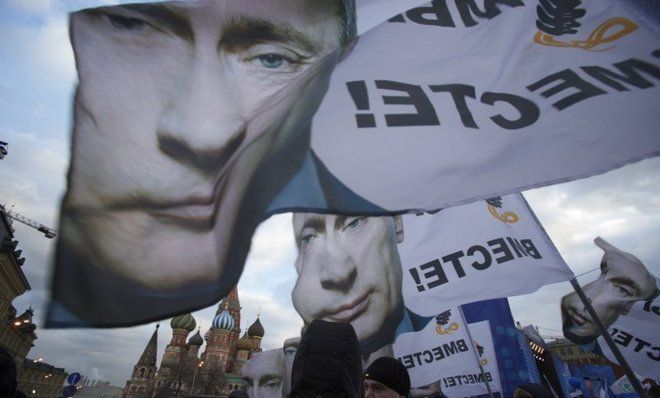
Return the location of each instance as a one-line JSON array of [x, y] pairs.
[[183, 371]]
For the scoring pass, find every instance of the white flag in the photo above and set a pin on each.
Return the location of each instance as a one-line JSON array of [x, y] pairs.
[[460, 384], [484, 250], [442, 346], [455, 101], [636, 335], [441, 355]]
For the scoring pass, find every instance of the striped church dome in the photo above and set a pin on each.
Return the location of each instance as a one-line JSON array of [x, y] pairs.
[[223, 320]]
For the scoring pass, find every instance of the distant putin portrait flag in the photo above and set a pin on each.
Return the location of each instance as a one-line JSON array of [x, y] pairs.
[[196, 120]]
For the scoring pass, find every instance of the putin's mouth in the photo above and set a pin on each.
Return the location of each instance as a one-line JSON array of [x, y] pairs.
[[577, 318], [191, 215], [351, 310]]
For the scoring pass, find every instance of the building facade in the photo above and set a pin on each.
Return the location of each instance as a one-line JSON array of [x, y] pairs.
[[571, 353], [17, 332], [39, 379], [187, 370]]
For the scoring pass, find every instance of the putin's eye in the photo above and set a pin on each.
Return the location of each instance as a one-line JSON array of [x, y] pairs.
[[306, 239], [623, 291], [353, 222], [125, 22], [272, 385], [271, 61]]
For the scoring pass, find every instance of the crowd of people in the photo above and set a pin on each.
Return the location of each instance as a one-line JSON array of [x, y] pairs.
[[327, 363]]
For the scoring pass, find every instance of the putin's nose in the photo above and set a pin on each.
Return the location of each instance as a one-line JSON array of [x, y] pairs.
[[204, 124], [338, 268]]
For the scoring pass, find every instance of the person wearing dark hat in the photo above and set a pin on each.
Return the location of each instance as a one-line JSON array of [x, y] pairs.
[[327, 363], [386, 378]]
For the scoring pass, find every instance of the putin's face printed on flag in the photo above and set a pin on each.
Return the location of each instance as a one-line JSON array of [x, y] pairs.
[[289, 349], [178, 105], [623, 280], [264, 374], [349, 270]]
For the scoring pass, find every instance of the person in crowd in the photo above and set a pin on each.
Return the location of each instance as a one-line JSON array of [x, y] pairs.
[[386, 378], [432, 390], [654, 391], [8, 383], [327, 362], [532, 390]]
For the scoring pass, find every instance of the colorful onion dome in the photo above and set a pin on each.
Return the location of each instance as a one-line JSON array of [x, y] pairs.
[[168, 362], [244, 343], [185, 321], [256, 330], [223, 320], [196, 339]]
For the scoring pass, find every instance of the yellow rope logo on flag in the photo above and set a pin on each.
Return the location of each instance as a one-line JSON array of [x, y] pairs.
[[508, 217], [607, 32], [449, 329]]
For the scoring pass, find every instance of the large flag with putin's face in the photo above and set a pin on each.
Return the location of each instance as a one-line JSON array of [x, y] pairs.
[[194, 121]]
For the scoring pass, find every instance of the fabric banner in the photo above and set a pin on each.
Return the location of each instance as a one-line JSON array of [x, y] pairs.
[[624, 284], [443, 349], [636, 335], [442, 345], [484, 250], [473, 100], [195, 121], [461, 385], [392, 275]]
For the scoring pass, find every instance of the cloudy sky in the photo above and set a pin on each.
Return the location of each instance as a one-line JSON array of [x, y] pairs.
[[37, 77]]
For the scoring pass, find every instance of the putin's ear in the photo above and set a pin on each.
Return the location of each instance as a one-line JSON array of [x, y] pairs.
[[347, 49], [398, 228]]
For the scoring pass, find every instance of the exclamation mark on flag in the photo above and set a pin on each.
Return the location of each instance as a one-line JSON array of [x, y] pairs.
[[358, 91], [415, 275]]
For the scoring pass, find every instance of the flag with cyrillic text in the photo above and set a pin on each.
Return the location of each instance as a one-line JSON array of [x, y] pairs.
[[483, 250]]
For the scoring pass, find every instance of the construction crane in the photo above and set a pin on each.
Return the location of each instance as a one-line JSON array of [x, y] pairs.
[[48, 232], [3, 149]]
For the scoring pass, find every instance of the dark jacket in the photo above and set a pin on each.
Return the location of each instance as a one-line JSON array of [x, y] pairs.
[[327, 363], [537, 390]]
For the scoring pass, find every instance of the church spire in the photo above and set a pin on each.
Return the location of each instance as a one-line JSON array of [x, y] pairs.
[[230, 302], [144, 372], [148, 358]]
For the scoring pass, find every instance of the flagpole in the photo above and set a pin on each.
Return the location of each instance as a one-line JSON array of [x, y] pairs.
[[476, 354], [608, 339]]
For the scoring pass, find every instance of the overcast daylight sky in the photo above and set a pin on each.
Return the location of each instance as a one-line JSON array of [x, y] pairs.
[[37, 77]]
